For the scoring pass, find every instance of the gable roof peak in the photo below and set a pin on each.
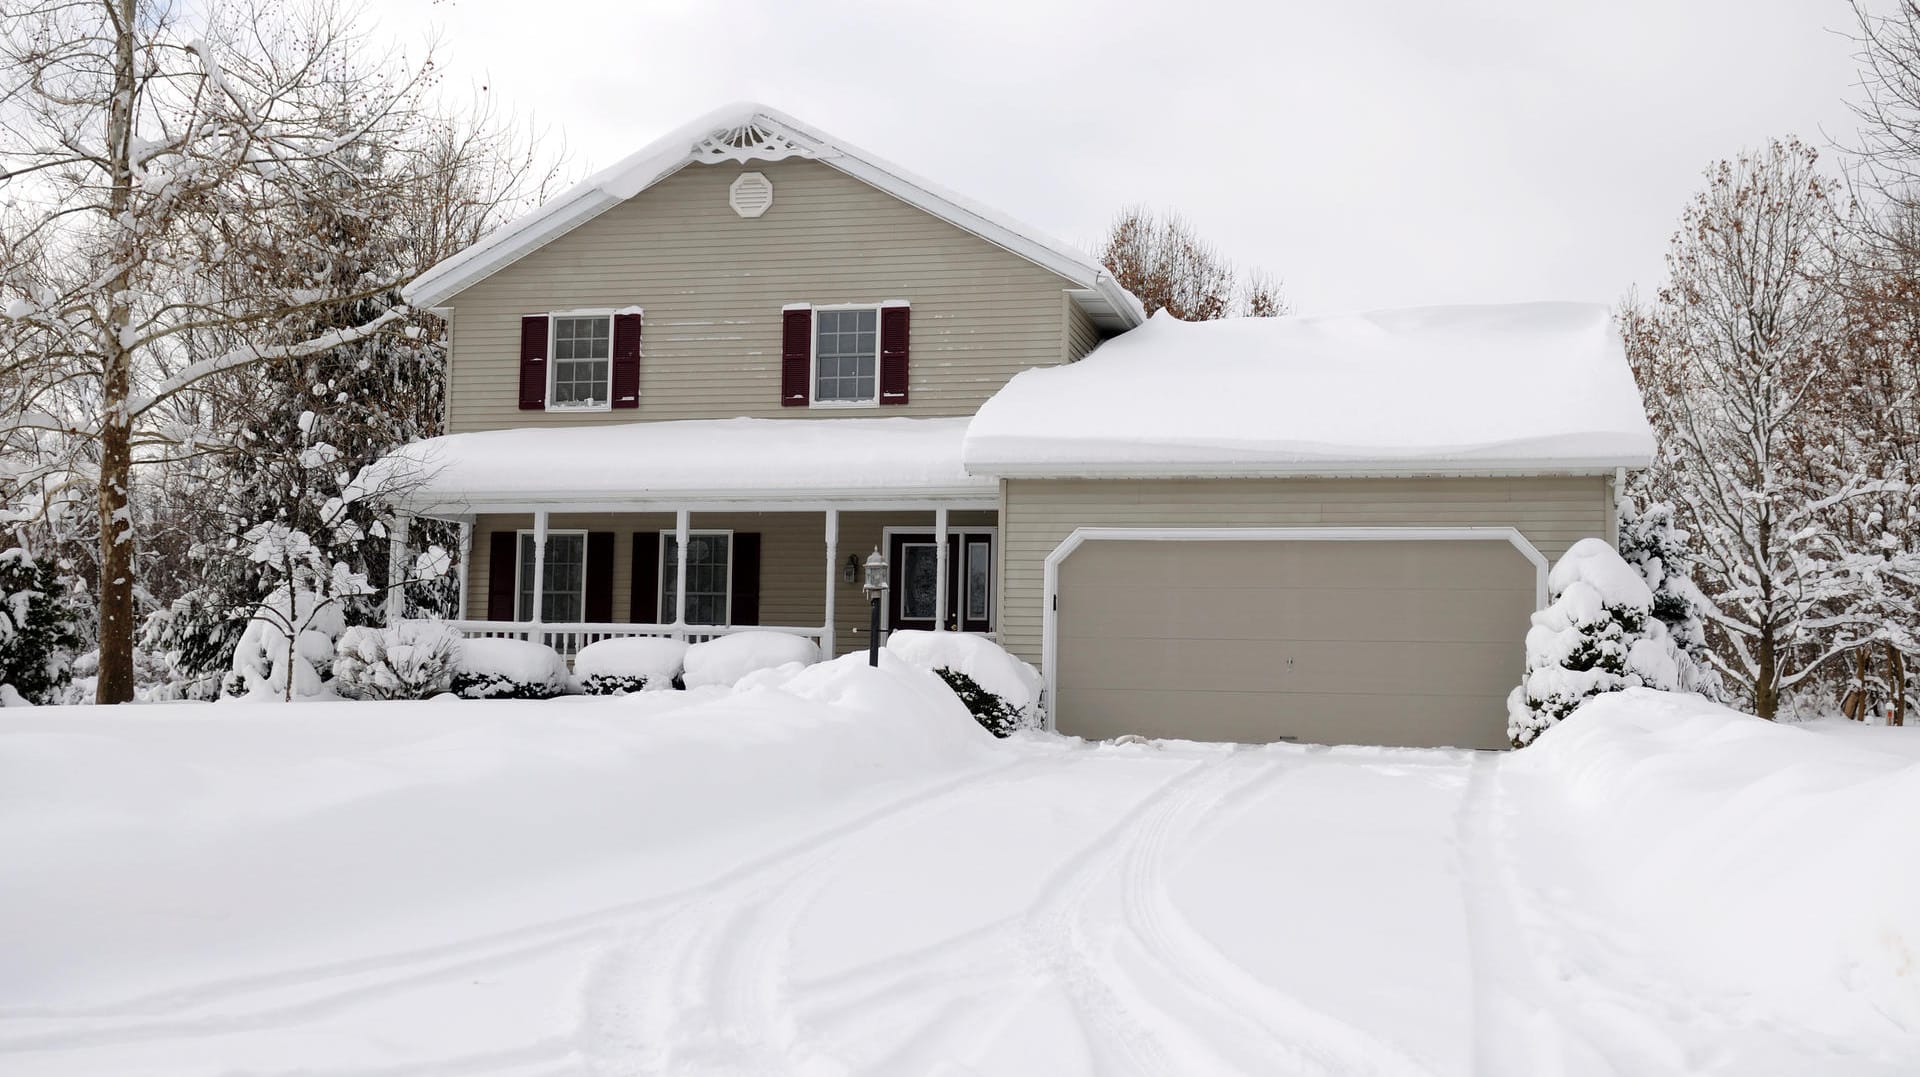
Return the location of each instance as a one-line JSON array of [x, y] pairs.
[[748, 131]]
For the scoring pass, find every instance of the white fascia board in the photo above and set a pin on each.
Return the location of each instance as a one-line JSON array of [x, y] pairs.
[[1397, 469], [731, 501]]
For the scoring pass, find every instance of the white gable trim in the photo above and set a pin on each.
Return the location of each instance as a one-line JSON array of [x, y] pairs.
[[749, 132]]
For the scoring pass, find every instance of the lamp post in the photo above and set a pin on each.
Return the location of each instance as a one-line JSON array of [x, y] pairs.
[[875, 587]]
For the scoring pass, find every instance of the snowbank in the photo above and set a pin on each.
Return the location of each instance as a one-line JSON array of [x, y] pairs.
[[1438, 388], [1768, 860], [220, 842], [989, 664], [653, 659], [725, 660]]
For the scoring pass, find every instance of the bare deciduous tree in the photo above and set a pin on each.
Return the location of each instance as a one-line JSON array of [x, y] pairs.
[[1164, 262], [145, 164]]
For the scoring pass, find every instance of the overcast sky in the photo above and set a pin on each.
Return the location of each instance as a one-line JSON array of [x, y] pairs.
[[1381, 153]]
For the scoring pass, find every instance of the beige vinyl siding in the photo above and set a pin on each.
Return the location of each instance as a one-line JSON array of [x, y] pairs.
[[1082, 335], [713, 284], [793, 565], [1037, 514]]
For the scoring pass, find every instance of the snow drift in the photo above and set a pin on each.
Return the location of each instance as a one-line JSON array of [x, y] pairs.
[[1767, 860]]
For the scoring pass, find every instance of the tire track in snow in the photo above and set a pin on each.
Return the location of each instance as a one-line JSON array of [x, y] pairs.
[[1260, 1027], [339, 986], [694, 988]]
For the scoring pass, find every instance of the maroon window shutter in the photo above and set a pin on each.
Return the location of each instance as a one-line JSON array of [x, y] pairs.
[[599, 605], [643, 601], [503, 563], [626, 361], [533, 362], [744, 604], [895, 325], [796, 357]]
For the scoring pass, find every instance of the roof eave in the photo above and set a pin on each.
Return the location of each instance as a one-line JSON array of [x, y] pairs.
[[1103, 469]]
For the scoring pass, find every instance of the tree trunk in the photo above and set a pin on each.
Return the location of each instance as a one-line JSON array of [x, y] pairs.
[[1897, 678], [1854, 703], [116, 434], [1766, 696]]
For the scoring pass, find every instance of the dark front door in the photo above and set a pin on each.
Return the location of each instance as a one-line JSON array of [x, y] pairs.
[[911, 599]]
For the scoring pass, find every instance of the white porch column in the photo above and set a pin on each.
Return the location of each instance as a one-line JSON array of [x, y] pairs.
[[833, 580], [466, 554], [538, 613], [682, 524], [397, 568], [940, 570]]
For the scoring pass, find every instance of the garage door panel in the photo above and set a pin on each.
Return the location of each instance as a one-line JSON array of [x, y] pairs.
[[1469, 565], [1302, 666], [1408, 614], [1256, 717], [1337, 641]]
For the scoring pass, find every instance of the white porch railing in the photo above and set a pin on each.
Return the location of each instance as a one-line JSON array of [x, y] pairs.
[[570, 637]]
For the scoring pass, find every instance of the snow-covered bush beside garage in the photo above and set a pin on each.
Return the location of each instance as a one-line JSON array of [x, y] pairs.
[[725, 660], [1001, 691], [1598, 635], [509, 669], [631, 664], [409, 660]]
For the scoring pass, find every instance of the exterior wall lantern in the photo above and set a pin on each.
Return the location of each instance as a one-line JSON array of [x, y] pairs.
[[876, 586]]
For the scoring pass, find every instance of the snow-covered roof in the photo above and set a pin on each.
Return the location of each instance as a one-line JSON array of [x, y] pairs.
[[748, 132], [734, 460], [1518, 388]]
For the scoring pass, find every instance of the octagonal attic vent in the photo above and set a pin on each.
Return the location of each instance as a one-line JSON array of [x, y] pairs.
[[750, 194]]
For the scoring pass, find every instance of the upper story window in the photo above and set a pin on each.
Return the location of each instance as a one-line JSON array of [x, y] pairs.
[[582, 360], [846, 355]]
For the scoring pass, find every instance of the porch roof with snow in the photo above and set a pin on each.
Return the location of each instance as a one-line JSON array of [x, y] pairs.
[[752, 132], [1531, 388], [665, 465]]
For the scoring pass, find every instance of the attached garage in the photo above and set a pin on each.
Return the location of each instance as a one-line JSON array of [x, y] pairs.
[[1323, 529], [1396, 636]]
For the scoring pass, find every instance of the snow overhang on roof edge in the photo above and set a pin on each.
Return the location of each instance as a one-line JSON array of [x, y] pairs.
[[779, 136]]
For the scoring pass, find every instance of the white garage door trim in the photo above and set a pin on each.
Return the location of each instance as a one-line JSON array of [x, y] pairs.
[[1050, 578]]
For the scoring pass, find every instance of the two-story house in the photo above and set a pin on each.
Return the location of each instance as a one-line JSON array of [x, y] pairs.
[[693, 393]]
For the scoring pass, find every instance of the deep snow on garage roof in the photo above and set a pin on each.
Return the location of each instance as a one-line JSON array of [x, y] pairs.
[[1517, 388]]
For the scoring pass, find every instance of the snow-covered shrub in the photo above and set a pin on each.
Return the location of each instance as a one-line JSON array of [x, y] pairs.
[[612, 667], [286, 650], [1598, 635], [37, 631], [1001, 691], [725, 660], [409, 660], [1651, 543], [190, 646], [509, 669]]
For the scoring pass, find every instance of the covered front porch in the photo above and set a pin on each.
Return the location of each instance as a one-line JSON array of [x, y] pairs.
[[570, 578], [572, 535]]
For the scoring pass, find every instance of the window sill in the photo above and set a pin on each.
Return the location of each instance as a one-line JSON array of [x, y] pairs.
[[842, 405], [579, 407]]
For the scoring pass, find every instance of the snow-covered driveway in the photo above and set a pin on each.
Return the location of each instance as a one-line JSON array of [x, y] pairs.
[[792, 882]]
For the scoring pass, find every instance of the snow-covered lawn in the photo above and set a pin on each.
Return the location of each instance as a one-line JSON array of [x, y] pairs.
[[839, 873]]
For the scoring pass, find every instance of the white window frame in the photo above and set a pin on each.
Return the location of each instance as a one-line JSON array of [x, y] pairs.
[[660, 572], [813, 357], [553, 359], [519, 574], [991, 534]]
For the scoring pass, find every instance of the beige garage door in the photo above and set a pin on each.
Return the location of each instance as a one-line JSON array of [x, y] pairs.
[[1332, 642]]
